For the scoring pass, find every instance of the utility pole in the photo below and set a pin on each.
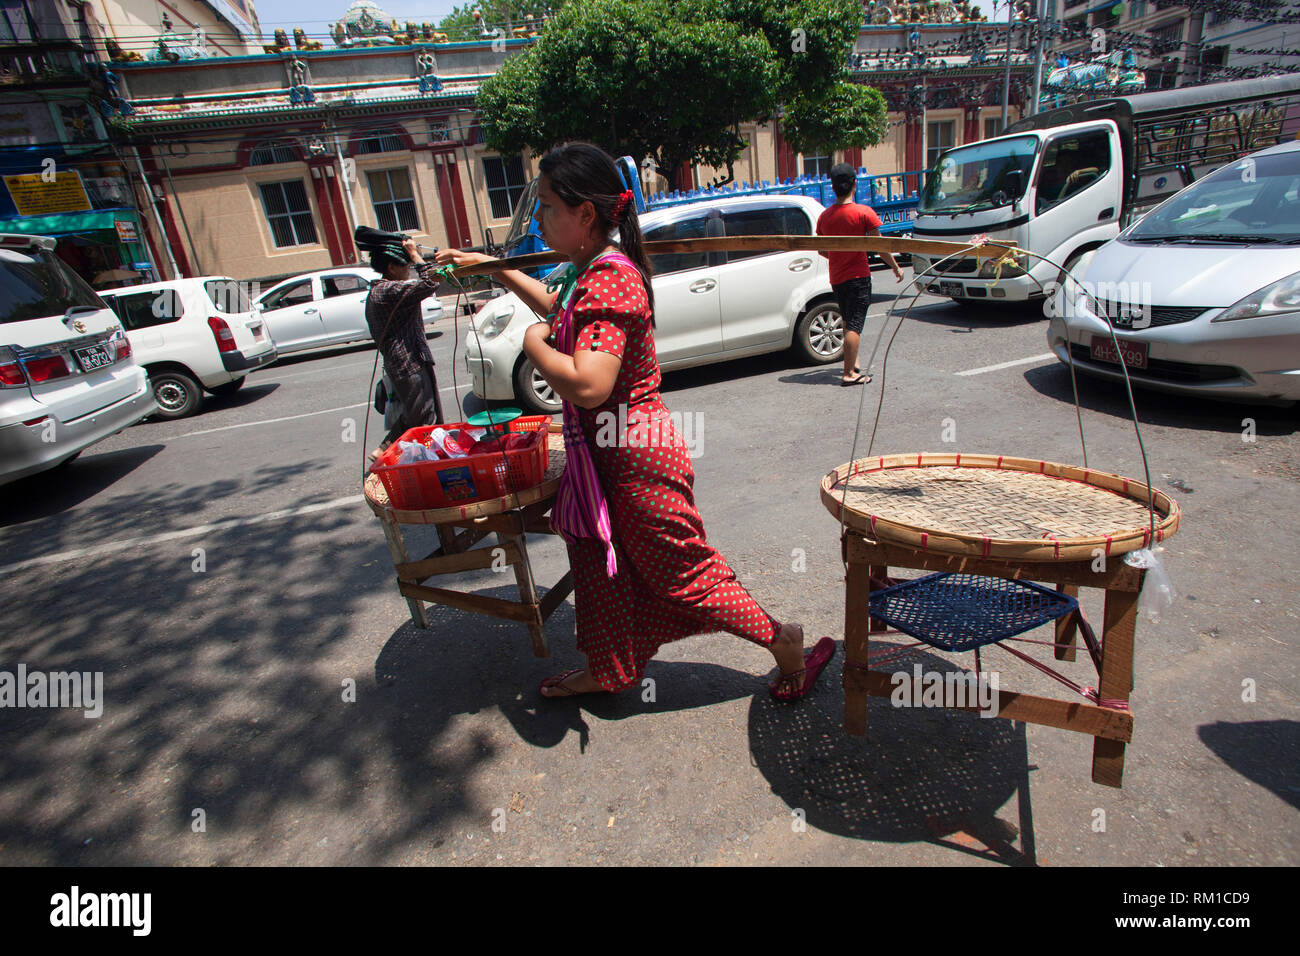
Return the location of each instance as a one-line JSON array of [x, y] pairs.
[[1195, 42], [1044, 15], [1006, 80]]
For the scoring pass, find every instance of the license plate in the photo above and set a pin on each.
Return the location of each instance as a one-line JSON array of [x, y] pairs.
[[951, 288], [93, 357], [1135, 353], [257, 333]]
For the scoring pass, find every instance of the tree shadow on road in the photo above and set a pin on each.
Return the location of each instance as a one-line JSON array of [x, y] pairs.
[[476, 662], [224, 690], [63, 488]]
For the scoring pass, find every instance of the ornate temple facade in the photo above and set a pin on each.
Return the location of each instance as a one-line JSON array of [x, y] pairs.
[[260, 165]]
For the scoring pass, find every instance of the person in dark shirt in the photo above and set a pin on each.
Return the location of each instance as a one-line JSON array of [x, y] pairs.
[[396, 320], [851, 271]]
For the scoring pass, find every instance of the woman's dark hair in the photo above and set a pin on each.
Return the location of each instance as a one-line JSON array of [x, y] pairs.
[[583, 172]]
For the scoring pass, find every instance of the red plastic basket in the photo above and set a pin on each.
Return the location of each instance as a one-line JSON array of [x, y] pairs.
[[443, 484]]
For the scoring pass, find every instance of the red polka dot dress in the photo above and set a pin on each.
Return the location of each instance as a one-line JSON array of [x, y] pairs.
[[670, 582]]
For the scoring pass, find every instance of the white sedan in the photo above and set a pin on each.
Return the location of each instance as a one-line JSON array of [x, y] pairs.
[[710, 307], [325, 308]]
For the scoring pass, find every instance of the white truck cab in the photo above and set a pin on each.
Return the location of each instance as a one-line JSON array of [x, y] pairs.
[[1061, 183]]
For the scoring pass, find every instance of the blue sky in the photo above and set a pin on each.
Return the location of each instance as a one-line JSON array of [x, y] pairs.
[[315, 16]]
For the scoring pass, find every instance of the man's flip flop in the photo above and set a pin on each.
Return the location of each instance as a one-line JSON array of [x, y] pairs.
[[813, 663], [860, 380]]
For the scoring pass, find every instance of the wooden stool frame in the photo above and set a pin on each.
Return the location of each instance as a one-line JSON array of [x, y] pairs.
[[1111, 727], [459, 528]]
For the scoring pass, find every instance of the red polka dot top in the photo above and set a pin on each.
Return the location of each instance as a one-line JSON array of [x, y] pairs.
[[612, 314]]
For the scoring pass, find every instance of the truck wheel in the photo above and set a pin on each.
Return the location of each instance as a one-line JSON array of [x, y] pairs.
[[533, 391], [176, 393], [819, 337]]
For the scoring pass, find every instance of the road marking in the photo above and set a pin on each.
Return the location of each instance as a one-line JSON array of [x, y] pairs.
[[318, 371], [215, 527], [272, 421], [289, 418], [1012, 364]]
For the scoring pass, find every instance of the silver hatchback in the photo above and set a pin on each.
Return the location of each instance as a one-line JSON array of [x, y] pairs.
[[1203, 294]]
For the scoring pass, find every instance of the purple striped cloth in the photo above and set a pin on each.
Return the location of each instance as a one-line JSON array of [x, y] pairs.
[[580, 509]]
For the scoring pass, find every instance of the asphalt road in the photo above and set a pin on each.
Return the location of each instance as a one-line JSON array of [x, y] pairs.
[[224, 576]]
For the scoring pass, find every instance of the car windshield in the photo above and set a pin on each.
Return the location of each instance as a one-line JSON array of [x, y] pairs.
[[35, 284], [1254, 200], [979, 176], [523, 213]]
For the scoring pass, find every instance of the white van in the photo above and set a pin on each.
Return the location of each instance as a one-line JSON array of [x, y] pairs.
[[1202, 296], [1062, 182], [66, 375], [193, 334]]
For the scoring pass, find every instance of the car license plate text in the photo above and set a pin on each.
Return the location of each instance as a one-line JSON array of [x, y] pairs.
[[1135, 353], [950, 288], [93, 357]]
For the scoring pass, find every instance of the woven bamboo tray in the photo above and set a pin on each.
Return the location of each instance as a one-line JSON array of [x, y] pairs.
[[377, 495], [994, 506]]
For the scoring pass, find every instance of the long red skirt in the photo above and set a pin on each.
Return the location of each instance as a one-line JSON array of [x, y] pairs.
[[670, 582]]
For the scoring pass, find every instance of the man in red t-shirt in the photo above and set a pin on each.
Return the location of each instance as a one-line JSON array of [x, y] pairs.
[[851, 271]]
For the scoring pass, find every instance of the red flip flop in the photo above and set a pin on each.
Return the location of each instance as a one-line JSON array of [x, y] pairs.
[[557, 680], [813, 663]]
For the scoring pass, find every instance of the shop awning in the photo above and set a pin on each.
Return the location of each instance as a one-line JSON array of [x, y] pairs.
[[64, 223]]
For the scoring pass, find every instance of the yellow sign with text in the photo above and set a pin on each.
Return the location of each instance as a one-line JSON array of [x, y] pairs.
[[39, 194]]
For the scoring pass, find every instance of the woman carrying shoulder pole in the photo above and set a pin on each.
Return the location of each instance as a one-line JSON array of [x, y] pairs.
[[644, 574]]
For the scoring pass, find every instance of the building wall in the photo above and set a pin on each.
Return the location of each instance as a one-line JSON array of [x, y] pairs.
[[220, 200], [217, 191], [136, 24]]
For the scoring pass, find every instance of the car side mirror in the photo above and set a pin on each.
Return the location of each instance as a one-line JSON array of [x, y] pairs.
[[1015, 183]]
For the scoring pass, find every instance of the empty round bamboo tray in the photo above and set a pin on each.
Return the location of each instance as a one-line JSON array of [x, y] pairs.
[[994, 506], [377, 495]]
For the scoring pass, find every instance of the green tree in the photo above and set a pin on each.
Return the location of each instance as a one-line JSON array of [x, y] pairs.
[[461, 25], [673, 80]]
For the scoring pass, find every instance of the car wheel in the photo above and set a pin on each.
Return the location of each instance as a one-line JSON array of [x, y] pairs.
[[820, 336], [533, 391], [230, 388], [176, 393]]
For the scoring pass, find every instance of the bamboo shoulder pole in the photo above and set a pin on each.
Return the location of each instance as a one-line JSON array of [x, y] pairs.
[[927, 247]]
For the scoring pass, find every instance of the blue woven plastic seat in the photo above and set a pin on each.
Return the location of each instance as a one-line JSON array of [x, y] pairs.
[[960, 612]]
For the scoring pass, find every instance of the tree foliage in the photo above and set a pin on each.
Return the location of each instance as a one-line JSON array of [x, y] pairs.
[[460, 25], [674, 79]]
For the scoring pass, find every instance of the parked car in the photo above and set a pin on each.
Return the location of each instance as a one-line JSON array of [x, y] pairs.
[[325, 308], [67, 379], [191, 335], [709, 307], [1203, 293]]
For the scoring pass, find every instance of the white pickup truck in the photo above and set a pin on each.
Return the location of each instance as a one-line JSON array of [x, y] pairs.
[[1063, 182]]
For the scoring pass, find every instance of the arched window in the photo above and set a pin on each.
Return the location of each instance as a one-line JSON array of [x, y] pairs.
[[268, 152], [379, 141]]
